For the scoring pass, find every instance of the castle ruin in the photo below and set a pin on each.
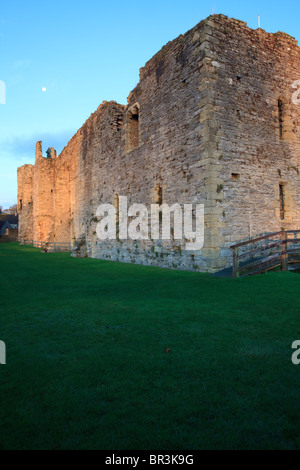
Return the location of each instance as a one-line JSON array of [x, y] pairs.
[[214, 120]]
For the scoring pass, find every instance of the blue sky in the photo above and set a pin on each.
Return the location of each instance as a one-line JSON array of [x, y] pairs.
[[87, 52]]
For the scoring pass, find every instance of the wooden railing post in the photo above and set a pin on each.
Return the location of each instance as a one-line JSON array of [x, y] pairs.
[[235, 262], [284, 256]]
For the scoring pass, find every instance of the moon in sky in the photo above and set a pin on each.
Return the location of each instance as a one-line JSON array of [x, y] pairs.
[[44, 88]]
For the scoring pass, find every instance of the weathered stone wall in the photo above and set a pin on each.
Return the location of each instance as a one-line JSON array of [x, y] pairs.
[[211, 121], [250, 71], [43, 193], [25, 202], [166, 156]]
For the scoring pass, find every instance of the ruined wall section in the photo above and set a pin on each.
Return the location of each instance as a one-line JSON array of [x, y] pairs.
[[165, 154], [25, 202], [211, 121], [257, 147], [43, 193], [168, 97], [65, 203], [80, 172], [100, 165]]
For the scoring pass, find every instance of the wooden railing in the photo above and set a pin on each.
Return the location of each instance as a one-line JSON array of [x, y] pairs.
[[50, 247], [275, 250], [6, 239]]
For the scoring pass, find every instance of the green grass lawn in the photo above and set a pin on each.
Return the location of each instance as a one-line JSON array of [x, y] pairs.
[[104, 355]]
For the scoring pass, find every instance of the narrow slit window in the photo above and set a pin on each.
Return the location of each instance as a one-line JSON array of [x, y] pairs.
[[280, 118], [282, 201], [158, 200]]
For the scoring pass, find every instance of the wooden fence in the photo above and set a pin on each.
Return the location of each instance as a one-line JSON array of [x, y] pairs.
[[275, 250], [6, 239]]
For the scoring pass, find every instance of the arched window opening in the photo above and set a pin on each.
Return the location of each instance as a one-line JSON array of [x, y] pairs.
[[132, 134]]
